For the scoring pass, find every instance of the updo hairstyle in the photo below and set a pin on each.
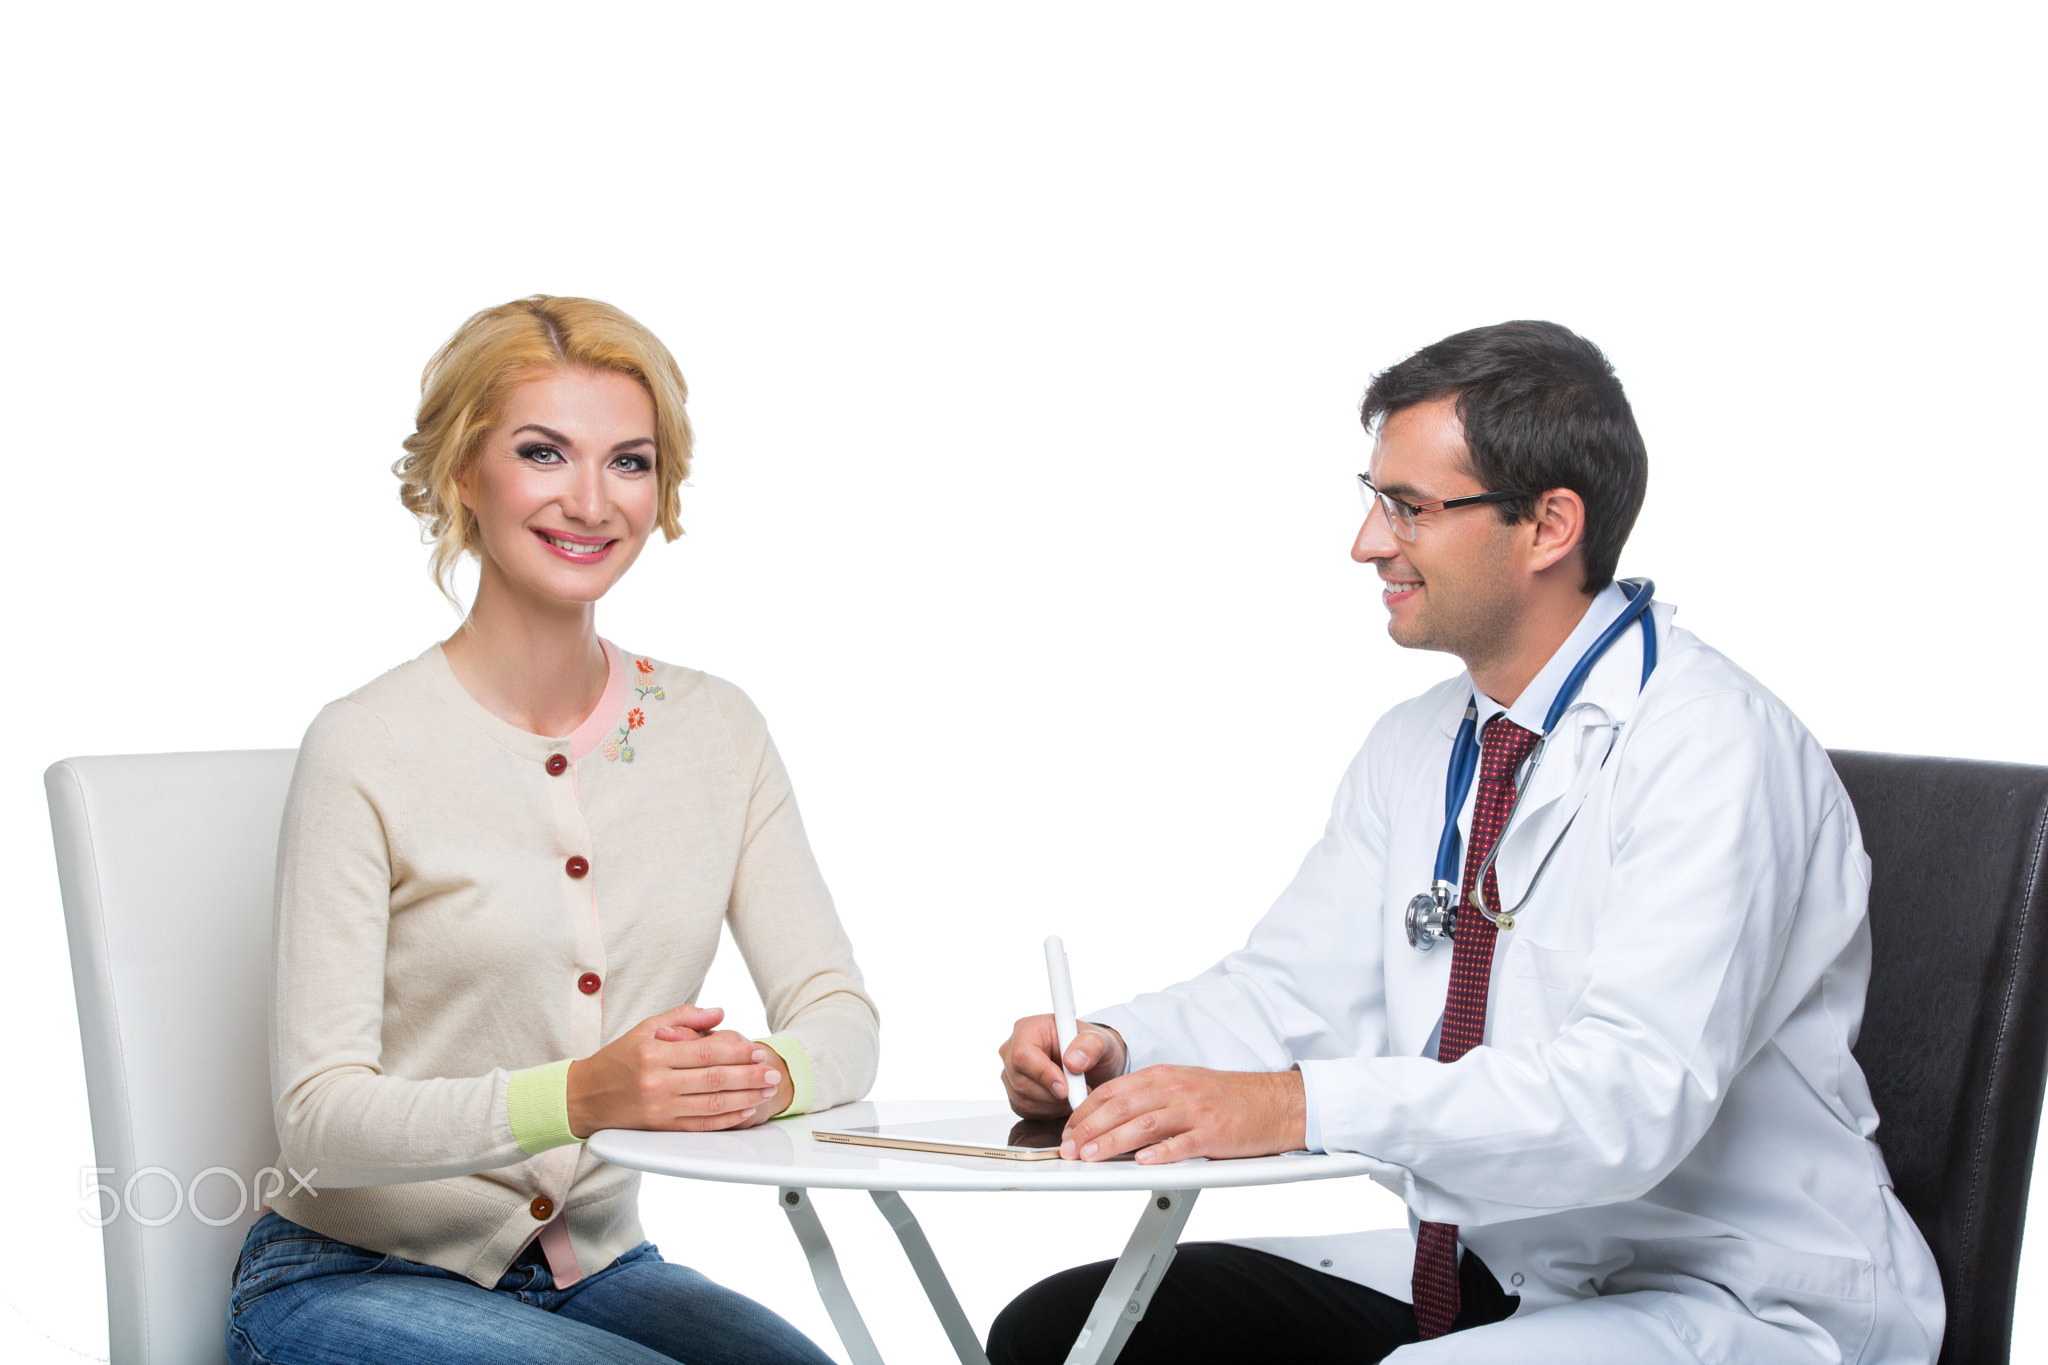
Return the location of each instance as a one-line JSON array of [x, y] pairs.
[[465, 387]]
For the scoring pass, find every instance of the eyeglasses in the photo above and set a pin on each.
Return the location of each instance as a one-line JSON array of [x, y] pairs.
[[1401, 515]]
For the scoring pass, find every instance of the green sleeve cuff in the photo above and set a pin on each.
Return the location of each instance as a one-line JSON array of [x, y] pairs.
[[537, 1102], [799, 1063]]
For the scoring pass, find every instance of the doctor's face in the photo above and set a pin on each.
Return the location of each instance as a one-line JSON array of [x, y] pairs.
[[1453, 587]]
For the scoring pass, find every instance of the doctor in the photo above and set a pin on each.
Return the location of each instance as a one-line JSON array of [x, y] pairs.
[[1619, 1101]]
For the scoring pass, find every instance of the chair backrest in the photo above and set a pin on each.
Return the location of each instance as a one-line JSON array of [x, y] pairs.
[[167, 863], [1955, 1032]]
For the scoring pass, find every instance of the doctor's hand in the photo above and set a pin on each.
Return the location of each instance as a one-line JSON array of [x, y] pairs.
[[1036, 1083], [672, 1073], [1171, 1113]]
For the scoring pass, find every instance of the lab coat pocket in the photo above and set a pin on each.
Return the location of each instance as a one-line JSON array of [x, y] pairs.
[[1831, 1300], [1549, 982]]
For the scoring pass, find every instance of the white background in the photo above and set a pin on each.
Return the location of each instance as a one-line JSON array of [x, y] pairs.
[[1025, 345]]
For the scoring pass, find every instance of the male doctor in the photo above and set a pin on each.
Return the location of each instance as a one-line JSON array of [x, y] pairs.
[[1619, 1101]]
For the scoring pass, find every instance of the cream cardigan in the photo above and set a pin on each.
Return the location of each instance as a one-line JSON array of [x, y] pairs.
[[461, 912]]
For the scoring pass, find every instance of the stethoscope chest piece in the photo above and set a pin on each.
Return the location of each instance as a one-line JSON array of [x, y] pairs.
[[1429, 917]]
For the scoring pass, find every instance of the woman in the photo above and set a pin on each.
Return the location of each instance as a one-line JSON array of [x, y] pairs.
[[502, 872]]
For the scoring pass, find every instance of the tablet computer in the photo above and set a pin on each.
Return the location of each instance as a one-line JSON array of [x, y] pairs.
[[991, 1135]]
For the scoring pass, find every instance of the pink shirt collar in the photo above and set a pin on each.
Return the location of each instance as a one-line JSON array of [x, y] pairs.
[[582, 740]]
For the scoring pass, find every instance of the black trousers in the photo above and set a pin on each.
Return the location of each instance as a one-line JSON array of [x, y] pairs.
[[1225, 1303]]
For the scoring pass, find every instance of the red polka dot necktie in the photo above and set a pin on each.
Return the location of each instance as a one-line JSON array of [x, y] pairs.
[[1501, 751]]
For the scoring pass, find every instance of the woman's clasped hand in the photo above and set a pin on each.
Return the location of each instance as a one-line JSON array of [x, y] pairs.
[[673, 1072]]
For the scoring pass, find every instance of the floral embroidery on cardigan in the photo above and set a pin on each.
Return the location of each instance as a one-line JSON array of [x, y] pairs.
[[619, 748]]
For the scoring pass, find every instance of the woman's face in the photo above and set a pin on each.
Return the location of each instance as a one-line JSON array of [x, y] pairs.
[[564, 489]]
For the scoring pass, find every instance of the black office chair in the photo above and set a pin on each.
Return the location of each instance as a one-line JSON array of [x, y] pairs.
[[1955, 1034]]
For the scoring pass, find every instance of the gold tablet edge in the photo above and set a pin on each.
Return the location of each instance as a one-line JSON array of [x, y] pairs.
[[942, 1148]]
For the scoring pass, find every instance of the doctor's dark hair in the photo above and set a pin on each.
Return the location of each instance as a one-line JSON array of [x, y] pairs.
[[1542, 409]]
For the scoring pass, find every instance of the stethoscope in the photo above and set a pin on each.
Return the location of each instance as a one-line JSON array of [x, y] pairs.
[[1431, 915]]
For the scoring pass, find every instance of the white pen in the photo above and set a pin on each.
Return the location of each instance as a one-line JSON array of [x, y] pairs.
[[1063, 1022]]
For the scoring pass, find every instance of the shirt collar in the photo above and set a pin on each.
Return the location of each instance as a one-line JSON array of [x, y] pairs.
[[1530, 708]]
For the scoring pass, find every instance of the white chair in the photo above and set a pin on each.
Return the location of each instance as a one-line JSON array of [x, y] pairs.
[[167, 863]]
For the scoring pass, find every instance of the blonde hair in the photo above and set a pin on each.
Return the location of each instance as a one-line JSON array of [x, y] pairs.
[[465, 387]]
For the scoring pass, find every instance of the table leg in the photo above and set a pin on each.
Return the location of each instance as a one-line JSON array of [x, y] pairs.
[[825, 1270], [936, 1287], [1137, 1272]]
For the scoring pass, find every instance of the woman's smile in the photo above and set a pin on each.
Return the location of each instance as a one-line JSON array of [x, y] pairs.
[[575, 549]]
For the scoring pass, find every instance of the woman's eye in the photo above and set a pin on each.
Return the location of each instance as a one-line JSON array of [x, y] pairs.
[[540, 454], [633, 464]]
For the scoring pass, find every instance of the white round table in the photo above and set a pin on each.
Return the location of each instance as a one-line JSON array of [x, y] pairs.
[[784, 1154]]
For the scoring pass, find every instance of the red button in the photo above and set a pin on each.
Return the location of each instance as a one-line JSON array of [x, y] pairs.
[[557, 765], [542, 1208], [589, 982], [577, 866]]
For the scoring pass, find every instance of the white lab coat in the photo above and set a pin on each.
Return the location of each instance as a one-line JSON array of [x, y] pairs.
[[1664, 1147]]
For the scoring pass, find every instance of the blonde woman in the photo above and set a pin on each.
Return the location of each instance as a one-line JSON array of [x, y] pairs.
[[502, 874]]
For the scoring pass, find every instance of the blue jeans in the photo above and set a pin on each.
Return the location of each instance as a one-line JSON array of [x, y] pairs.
[[304, 1299]]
